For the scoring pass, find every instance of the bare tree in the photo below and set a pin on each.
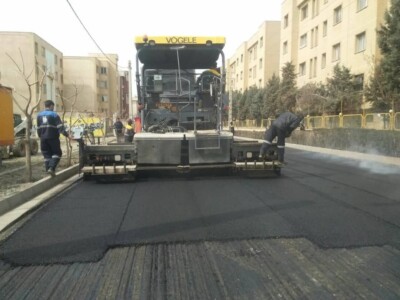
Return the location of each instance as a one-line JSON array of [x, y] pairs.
[[29, 107], [71, 100]]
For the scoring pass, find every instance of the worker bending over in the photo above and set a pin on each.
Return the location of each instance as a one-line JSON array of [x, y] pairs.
[[282, 127]]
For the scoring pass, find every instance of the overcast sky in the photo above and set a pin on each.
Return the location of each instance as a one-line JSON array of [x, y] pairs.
[[114, 24]]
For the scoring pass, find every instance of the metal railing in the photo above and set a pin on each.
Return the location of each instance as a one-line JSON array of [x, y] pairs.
[[378, 121]]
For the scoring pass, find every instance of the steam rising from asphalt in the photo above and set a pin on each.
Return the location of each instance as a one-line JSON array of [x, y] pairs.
[[379, 168], [374, 167]]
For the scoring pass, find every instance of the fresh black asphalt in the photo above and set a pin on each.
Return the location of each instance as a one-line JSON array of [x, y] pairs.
[[334, 203]]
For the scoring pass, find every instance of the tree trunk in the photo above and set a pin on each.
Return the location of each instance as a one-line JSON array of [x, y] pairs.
[[28, 161]]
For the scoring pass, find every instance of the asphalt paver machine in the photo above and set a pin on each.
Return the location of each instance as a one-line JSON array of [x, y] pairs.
[[180, 83]]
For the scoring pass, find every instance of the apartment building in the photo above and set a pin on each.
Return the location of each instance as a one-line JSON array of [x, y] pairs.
[[96, 79], [318, 34], [34, 55], [124, 87], [255, 60]]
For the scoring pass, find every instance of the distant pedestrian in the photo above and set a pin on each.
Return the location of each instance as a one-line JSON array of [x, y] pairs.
[[129, 131], [282, 128], [49, 127], [119, 130]]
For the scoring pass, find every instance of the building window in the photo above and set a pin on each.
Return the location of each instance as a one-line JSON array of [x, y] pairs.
[[104, 98], [336, 52], [316, 37], [302, 69], [337, 15], [303, 41], [62, 79], [61, 63], [261, 42], [254, 72], [325, 28], [315, 8], [260, 63], [250, 72], [359, 81], [43, 52], [102, 84], [241, 75], [285, 47], [312, 38], [103, 70], [323, 61], [241, 58], [361, 4], [315, 67], [36, 48], [55, 59], [285, 21], [304, 12], [360, 42], [255, 52]]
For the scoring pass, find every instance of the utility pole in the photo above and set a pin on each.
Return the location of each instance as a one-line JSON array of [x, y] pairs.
[[230, 103], [130, 104]]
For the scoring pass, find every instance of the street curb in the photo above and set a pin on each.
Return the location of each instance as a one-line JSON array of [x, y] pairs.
[[36, 189]]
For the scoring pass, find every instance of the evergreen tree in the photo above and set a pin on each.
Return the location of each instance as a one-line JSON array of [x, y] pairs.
[[243, 107], [235, 104], [288, 88], [343, 91], [377, 91], [389, 70], [255, 103], [271, 97]]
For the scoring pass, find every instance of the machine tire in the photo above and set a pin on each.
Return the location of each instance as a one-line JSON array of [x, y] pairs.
[[86, 177], [34, 147], [277, 171], [19, 148]]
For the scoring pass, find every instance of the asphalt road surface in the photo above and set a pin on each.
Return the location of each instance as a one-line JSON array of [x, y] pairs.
[[324, 208]]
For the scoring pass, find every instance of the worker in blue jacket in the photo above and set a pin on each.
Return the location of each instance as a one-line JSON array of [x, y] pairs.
[[49, 128], [282, 127]]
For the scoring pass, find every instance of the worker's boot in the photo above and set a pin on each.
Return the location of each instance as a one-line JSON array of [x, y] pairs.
[[46, 164], [281, 155], [53, 164], [263, 150]]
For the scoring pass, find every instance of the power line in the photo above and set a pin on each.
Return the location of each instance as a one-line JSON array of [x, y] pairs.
[[94, 41]]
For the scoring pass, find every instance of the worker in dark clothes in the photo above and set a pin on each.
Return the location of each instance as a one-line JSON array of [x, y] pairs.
[[49, 127], [129, 131], [119, 130], [282, 127]]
